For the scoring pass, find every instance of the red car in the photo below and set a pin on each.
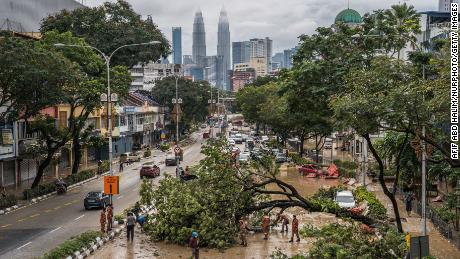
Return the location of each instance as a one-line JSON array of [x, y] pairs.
[[310, 170], [149, 170]]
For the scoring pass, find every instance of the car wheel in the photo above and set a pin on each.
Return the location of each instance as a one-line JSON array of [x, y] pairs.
[[86, 208]]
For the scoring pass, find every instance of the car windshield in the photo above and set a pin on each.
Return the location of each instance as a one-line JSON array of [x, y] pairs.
[[93, 195], [345, 199]]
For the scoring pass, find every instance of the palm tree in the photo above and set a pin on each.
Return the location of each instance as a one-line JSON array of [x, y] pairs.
[[404, 24]]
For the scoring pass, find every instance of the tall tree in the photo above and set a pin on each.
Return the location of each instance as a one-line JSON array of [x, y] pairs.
[[84, 98], [110, 26], [31, 78]]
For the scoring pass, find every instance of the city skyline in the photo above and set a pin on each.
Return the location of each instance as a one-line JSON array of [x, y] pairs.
[[283, 22]]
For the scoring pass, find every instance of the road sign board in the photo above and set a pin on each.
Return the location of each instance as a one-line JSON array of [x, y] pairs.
[[104, 97], [177, 150], [114, 97], [111, 184]]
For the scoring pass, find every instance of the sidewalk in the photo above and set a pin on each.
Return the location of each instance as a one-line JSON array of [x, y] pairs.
[[439, 246], [49, 178]]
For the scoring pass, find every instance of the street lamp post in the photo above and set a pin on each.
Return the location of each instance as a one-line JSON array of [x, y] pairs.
[[107, 59]]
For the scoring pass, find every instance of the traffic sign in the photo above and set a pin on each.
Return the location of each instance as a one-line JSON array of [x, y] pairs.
[[177, 150], [111, 185]]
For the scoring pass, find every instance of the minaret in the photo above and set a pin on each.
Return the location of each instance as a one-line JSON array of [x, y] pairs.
[[199, 39], [223, 48]]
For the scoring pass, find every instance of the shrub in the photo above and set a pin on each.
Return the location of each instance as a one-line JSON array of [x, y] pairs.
[[376, 208], [349, 241], [40, 190], [147, 153], [105, 166], [164, 146], [79, 177], [8, 201], [73, 244], [43, 189]]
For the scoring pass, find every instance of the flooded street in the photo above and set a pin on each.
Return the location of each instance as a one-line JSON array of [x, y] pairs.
[[257, 247]]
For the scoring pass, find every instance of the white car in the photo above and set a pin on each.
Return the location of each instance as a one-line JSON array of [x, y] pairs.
[[231, 142], [345, 199]]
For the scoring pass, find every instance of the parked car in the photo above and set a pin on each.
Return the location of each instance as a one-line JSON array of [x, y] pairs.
[[281, 158], [204, 126], [149, 170], [238, 139], [345, 199], [96, 199], [231, 142], [170, 160], [310, 169], [130, 157]]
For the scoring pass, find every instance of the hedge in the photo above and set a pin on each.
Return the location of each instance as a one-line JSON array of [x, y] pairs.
[[43, 189], [376, 208], [73, 244], [8, 201]]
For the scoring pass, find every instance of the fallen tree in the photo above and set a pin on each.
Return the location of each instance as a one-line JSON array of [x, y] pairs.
[[222, 194]]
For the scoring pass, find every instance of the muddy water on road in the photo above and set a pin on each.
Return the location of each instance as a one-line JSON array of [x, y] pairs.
[[259, 248]]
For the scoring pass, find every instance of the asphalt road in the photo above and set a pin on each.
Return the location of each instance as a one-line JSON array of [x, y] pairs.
[[32, 231]]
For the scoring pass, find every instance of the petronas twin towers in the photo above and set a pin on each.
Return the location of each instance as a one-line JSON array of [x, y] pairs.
[[222, 64]]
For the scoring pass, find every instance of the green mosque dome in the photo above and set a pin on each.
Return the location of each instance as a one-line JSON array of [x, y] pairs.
[[348, 16]]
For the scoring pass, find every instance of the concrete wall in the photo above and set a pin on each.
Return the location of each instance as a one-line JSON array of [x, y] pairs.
[[26, 15]]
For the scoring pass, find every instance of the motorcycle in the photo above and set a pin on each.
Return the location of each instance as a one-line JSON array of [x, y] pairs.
[[61, 187]]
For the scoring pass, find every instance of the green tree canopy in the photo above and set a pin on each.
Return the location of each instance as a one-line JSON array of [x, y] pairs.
[[110, 26]]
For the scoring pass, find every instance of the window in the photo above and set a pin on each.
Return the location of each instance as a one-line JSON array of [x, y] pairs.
[[62, 119]]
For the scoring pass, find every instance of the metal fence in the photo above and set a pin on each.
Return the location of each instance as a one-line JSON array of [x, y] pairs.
[[445, 228]]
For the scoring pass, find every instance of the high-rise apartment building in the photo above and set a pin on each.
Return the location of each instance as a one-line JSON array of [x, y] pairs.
[[177, 45], [241, 52], [262, 48], [223, 49], [444, 5], [199, 39]]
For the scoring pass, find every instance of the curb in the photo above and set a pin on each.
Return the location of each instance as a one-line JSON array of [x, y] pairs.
[[99, 242]]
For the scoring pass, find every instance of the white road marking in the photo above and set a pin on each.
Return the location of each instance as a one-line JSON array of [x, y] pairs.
[[55, 229], [119, 197], [28, 243], [79, 217]]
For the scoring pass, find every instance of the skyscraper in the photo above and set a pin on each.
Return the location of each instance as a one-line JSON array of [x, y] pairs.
[[177, 45], [262, 48], [199, 39], [241, 52], [223, 48]]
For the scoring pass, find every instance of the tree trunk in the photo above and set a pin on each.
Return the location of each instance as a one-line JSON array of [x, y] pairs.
[[41, 168], [382, 183], [302, 140], [76, 149]]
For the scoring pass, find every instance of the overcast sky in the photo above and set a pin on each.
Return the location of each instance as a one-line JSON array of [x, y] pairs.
[[283, 21]]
